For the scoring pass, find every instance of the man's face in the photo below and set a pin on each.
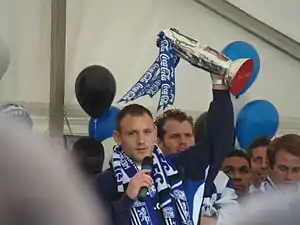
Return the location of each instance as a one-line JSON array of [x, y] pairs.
[[259, 165], [286, 169], [178, 136], [238, 169], [137, 136]]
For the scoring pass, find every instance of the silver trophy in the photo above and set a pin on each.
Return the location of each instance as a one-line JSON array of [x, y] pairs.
[[235, 73]]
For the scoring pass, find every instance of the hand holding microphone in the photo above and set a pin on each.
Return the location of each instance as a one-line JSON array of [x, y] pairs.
[[141, 181]]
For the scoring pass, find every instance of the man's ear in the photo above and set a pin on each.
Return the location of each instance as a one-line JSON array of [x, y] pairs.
[[117, 137], [155, 134]]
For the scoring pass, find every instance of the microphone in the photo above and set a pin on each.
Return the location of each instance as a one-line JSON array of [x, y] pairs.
[[147, 164]]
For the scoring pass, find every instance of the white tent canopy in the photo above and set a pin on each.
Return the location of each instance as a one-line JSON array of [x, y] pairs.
[[121, 36]]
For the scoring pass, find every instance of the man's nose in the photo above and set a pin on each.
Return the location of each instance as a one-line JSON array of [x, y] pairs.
[[264, 164], [289, 175], [236, 176], [141, 138], [183, 139]]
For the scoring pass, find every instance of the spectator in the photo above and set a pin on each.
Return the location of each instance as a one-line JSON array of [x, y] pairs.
[[200, 126], [89, 155], [174, 131], [237, 167], [175, 134], [18, 114], [257, 153], [284, 156]]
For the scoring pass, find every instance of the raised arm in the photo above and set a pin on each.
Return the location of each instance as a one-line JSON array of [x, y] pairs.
[[211, 149]]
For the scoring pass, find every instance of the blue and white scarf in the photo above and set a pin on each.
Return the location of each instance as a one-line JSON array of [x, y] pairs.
[[167, 185], [159, 77]]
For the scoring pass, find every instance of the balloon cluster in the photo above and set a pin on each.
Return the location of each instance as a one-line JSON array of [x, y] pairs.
[[95, 90], [256, 118]]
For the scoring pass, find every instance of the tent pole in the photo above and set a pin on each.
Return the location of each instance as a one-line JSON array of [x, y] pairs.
[[57, 69]]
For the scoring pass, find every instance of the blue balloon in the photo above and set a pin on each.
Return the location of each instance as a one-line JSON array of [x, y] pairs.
[[257, 118], [104, 126], [240, 49]]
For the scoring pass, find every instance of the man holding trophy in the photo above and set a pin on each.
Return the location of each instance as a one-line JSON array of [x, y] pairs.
[[144, 187]]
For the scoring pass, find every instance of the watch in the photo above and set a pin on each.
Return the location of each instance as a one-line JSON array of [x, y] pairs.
[[219, 82]]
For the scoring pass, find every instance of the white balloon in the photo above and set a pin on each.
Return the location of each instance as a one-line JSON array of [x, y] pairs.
[[4, 58]]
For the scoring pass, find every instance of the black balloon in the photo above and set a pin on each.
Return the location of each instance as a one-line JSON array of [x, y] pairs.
[[95, 89]]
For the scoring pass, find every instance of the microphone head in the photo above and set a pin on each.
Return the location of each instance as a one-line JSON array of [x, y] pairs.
[[147, 163]]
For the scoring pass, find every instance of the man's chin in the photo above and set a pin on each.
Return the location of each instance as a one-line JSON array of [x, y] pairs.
[[287, 187], [139, 159], [181, 149], [289, 184], [239, 189], [261, 178]]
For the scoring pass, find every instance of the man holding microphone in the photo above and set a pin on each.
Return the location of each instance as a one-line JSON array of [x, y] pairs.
[[166, 201]]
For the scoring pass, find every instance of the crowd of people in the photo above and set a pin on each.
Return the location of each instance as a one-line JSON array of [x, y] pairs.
[[196, 176]]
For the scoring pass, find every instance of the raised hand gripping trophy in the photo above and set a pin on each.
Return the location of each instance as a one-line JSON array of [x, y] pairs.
[[172, 46]]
